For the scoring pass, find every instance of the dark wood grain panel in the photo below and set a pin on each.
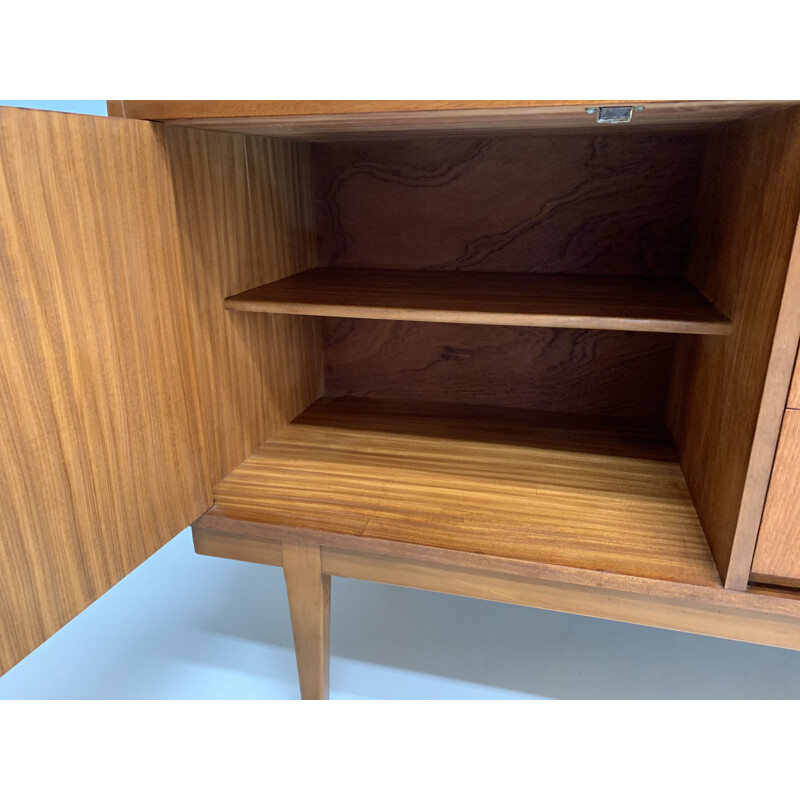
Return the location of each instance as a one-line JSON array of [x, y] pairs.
[[529, 300], [728, 395], [593, 494], [777, 556], [610, 373], [127, 389], [589, 203]]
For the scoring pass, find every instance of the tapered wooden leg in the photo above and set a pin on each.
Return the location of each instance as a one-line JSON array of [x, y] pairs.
[[310, 607]]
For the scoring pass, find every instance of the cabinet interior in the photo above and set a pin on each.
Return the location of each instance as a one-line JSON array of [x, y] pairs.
[[546, 345]]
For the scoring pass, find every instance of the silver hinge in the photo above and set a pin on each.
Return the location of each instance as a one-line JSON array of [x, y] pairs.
[[614, 114]]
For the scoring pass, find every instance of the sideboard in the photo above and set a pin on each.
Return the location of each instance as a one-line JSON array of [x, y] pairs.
[[537, 352]]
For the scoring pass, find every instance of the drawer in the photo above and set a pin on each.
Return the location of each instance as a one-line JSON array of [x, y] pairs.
[[794, 392], [777, 558]]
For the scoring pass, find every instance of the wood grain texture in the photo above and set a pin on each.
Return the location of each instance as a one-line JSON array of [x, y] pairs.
[[548, 488], [181, 109], [728, 396], [310, 608], [119, 240], [760, 615], [233, 538], [99, 435], [608, 373], [794, 391], [115, 108], [777, 556], [579, 204], [245, 216], [241, 548], [540, 301], [375, 120], [585, 204], [726, 623]]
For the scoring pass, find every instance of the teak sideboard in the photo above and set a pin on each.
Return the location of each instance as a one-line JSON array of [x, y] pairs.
[[538, 352]]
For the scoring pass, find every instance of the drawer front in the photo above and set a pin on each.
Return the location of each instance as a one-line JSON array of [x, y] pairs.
[[777, 558], [794, 392]]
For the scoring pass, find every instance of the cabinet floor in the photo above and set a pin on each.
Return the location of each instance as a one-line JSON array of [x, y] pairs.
[[563, 489], [184, 626]]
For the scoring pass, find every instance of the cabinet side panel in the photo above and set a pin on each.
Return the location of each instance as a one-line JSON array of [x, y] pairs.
[[98, 428], [284, 242], [728, 393], [244, 215]]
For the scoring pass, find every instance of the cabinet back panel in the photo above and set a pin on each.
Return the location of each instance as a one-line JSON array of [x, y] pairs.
[[612, 373], [587, 203]]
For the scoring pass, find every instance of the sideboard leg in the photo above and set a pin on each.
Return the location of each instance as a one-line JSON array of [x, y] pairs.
[[310, 608]]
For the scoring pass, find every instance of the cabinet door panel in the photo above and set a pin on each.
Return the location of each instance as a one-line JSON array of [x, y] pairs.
[[777, 558], [110, 343]]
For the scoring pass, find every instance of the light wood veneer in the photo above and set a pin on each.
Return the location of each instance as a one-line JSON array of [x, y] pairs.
[[177, 109], [309, 593], [544, 488], [464, 253], [319, 119], [762, 615], [127, 390], [777, 558], [794, 392]]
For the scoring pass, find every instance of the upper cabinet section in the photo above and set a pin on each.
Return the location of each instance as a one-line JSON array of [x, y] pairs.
[[185, 109], [318, 120]]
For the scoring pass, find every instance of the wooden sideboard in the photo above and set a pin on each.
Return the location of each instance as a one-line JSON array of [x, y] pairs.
[[525, 351]]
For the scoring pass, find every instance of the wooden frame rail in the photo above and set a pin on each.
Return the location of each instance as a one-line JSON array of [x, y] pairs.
[[761, 616]]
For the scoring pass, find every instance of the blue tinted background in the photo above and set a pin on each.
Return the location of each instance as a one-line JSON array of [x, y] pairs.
[[96, 107]]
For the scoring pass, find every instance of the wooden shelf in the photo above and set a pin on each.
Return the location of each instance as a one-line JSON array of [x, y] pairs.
[[557, 489], [524, 299]]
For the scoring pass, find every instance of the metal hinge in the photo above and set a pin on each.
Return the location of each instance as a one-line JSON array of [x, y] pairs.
[[614, 114]]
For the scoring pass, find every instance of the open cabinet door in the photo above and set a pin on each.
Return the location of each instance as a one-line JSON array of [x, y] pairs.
[[126, 391]]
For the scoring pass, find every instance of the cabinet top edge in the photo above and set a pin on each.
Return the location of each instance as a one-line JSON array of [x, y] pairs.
[[327, 120], [210, 109]]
